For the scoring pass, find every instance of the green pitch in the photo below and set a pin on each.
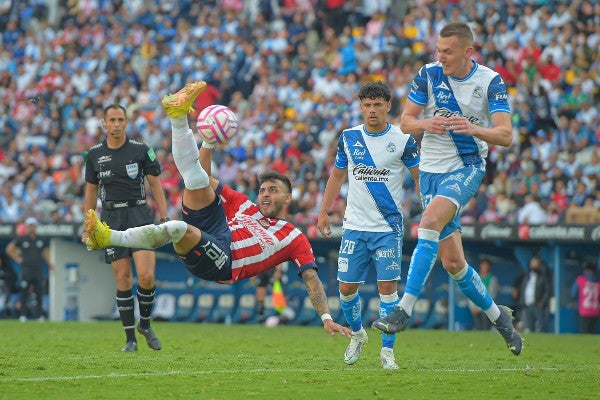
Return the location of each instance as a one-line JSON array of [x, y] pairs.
[[205, 361]]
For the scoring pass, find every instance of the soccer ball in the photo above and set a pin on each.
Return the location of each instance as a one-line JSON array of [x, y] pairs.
[[217, 124]]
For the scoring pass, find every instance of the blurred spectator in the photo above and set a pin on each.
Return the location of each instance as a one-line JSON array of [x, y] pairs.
[[276, 62], [532, 212], [481, 322], [586, 289], [536, 291], [8, 280]]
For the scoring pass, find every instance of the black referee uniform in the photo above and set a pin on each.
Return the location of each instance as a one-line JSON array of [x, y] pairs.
[[119, 174]]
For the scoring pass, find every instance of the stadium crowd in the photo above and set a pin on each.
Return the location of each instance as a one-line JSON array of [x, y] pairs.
[[290, 69]]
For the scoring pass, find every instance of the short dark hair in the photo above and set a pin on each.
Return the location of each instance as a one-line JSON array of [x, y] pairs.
[[115, 106], [275, 176], [459, 29], [375, 90]]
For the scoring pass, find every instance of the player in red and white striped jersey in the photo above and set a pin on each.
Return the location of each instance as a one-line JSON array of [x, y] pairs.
[[223, 237]]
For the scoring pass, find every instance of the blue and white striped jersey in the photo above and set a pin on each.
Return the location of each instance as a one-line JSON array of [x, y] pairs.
[[376, 164], [477, 96]]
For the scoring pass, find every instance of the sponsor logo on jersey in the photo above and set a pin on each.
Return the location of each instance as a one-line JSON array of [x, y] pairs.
[[501, 96], [132, 170], [443, 98], [104, 159], [363, 172], [444, 112], [260, 234], [104, 174], [358, 151], [358, 154]]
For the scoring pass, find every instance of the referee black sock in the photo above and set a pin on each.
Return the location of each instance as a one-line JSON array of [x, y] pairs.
[[146, 302], [125, 305]]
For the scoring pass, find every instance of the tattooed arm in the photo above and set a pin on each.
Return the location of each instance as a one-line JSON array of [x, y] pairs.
[[317, 296]]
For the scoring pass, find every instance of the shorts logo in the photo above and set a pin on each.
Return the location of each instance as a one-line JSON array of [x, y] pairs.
[[132, 170], [384, 253], [342, 264], [455, 187], [393, 267]]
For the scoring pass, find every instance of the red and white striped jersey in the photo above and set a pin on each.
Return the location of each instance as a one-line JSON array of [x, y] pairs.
[[259, 243]]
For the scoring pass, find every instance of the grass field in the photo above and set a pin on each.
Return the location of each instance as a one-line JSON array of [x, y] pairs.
[[205, 361]]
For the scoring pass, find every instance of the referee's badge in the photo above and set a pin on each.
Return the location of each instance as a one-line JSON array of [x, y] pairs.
[[132, 170]]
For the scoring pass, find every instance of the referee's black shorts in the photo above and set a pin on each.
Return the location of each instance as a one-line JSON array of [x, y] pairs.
[[120, 219]]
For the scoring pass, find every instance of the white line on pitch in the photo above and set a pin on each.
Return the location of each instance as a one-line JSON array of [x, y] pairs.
[[255, 371]]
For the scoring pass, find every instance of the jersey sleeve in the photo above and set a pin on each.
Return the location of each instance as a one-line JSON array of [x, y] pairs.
[[418, 88], [151, 165], [90, 173], [302, 255], [411, 157], [498, 96], [341, 159]]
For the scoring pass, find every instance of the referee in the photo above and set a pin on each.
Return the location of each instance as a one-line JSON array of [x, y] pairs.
[[114, 173]]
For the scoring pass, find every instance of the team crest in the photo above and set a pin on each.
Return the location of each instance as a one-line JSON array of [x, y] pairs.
[[132, 170], [478, 92], [391, 147], [265, 223]]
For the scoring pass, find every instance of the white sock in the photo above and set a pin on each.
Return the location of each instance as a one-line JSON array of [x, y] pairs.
[[407, 302], [185, 154], [493, 312], [149, 236]]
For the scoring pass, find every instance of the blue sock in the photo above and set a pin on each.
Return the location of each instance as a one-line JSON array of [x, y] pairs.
[[385, 308], [352, 310], [469, 283], [423, 259]]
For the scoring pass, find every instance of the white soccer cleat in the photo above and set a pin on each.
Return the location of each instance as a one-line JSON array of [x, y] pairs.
[[356, 343], [388, 360]]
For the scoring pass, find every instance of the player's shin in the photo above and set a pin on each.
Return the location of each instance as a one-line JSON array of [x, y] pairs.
[[470, 284], [351, 307], [421, 263], [387, 304], [186, 154], [150, 236]]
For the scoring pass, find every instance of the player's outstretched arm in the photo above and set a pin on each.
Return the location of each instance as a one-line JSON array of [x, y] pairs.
[[332, 190], [317, 296]]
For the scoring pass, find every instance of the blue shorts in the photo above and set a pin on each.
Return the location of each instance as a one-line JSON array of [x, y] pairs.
[[458, 186], [210, 259], [358, 249]]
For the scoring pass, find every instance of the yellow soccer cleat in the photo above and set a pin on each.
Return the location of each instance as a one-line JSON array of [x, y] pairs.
[[99, 232], [180, 104]]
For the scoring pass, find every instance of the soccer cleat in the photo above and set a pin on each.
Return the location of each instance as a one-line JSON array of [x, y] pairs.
[[130, 346], [99, 232], [180, 104], [357, 341], [507, 330], [388, 360], [396, 321], [151, 338]]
